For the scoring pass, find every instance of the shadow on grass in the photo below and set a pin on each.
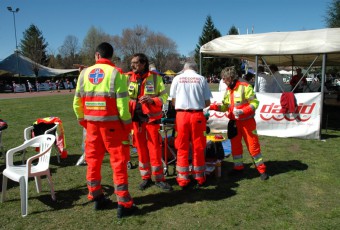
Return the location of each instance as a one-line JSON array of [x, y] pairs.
[[215, 189], [328, 136], [273, 168], [66, 198]]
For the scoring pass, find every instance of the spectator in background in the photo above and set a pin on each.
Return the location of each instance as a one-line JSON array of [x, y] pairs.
[[29, 85], [277, 85], [75, 81], [264, 80], [37, 85], [68, 85], [57, 85], [14, 86], [50, 85], [296, 81]]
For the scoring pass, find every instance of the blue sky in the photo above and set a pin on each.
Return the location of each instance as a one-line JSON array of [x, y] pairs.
[[180, 20]]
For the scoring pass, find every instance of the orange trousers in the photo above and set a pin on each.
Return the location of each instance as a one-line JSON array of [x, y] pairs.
[[102, 137], [148, 141], [246, 129], [191, 129]]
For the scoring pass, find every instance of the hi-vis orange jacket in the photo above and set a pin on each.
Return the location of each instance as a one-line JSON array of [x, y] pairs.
[[152, 85], [101, 94], [243, 97]]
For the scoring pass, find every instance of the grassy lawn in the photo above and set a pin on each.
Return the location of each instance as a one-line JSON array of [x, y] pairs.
[[303, 191]]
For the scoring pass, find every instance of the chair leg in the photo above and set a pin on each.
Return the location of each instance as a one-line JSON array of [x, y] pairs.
[[23, 156], [23, 195], [38, 183], [57, 153], [49, 179], [4, 188]]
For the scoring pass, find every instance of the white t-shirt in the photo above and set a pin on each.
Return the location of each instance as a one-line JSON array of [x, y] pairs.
[[275, 87], [264, 82], [190, 90]]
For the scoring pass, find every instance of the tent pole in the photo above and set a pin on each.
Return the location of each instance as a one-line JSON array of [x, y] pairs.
[[200, 63], [323, 77], [256, 86]]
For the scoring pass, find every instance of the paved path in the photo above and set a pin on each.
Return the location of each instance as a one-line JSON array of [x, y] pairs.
[[33, 94]]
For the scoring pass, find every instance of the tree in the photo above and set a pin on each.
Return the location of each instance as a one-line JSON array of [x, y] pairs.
[[333, 14], [93, 38], [156, 46], [33, 46], [69, 51], [232, 61], [160, 49], [210, 66]]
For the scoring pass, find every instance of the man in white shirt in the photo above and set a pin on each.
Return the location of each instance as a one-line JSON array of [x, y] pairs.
[[190, 94], [277, 82], [264, 81]]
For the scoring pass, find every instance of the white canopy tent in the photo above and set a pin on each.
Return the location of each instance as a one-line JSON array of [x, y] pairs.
[[280, 48], [298, 48], [16, 62]]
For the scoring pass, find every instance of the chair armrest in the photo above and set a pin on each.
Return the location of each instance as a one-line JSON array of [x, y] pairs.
[[49, 131], [10, 153], [28, 133]]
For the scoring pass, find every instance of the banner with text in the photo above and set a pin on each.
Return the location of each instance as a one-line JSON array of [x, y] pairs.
[[303, 123]]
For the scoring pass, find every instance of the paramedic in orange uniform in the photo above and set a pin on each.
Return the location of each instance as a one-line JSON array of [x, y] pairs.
[[190, 93], [147, 96], [240, 102], [101, 106]]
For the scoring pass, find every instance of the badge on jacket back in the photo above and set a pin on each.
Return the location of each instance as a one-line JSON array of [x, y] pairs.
[[96, 76]]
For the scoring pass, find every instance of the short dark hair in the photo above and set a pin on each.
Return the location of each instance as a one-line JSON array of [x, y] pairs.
[[105, 50], [143, 59], [260, 68], [273, 67]]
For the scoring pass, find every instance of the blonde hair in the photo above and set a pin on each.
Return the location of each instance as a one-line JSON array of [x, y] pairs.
[[229, 72]]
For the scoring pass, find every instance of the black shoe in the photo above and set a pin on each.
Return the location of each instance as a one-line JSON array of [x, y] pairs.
[[264, 176], [123, 212], [101, 202], [235, 172], [164, 186], [145, 184], [198, 186]]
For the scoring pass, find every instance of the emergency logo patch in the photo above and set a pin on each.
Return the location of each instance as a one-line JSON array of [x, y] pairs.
[[96, 76], [149, 87]]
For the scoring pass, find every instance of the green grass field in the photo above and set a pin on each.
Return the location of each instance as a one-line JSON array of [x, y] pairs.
[[303, 191]]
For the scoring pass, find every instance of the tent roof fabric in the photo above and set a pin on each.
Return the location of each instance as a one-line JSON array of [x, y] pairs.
[[25, 65], [281, 48]]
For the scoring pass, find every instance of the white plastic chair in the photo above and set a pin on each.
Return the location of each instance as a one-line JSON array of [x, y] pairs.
[[21, 173], [28, 136]]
